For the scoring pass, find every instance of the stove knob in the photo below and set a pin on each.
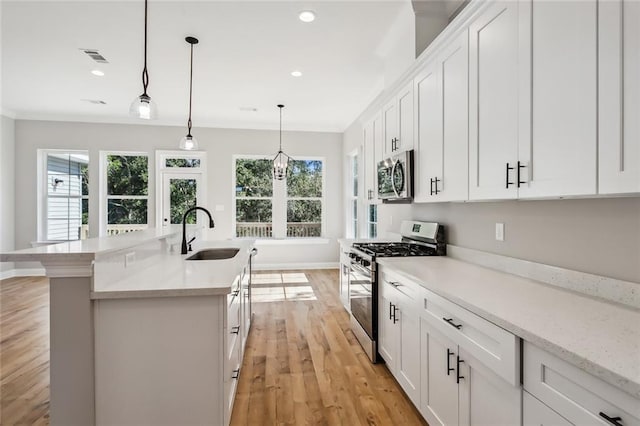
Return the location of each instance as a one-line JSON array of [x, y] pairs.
[[352, 255], [365, 263]]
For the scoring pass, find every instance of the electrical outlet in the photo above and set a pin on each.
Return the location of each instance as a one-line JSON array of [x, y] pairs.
[[499, 231]]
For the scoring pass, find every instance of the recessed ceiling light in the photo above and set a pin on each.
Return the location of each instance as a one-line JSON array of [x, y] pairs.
[[98, 73], [307, 16], [296, 73]]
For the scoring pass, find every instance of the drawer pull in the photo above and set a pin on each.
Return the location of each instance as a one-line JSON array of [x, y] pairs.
[[394, 283], [235, 293], [449, 369], [458, 376], [613, 420], [236, 373], [451, 323], [235, 330]]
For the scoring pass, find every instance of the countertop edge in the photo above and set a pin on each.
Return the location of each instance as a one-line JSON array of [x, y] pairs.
[[614, 379], [138, 294]]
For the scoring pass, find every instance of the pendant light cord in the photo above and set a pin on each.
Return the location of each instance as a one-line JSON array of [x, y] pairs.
[[280, 106], [145, 74], [190, 92]]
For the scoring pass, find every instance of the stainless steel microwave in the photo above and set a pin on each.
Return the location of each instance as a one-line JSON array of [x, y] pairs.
[[395, 178]]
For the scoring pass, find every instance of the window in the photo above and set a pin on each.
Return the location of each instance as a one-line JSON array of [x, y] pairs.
[[254, 197], [127, 192], [64, 207], [372, 221], [304, 199], [353, 195], [272, 208]]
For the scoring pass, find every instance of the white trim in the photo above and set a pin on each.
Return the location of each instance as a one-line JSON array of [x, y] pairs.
[[22, 272], [294, 266], [289, 241]]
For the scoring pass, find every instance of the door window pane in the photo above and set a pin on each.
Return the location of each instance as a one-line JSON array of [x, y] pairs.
[[182, 197]]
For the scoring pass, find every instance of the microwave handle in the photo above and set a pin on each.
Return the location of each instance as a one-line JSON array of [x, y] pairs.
[[393, 182]]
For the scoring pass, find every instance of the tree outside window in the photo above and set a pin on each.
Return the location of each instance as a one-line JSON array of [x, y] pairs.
[[127, 190]]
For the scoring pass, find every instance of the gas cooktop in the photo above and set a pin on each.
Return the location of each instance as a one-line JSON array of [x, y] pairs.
[[400, 249]]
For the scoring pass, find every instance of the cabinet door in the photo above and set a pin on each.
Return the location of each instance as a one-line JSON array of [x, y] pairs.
[[389, 127], [428, 108], [560, 154], [438, 387], [388, 338], [408, 360], [494, 56], [453, 181], [619, 97], [344, 286], [485, 398], [405, 119], [535, 413], [369, 161]]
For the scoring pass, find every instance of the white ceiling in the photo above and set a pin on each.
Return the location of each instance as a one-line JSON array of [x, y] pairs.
[[246, 53]]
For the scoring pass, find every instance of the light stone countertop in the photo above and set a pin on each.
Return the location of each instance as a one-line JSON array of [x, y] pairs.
[[599, 337], [171, 275], [92, 248]]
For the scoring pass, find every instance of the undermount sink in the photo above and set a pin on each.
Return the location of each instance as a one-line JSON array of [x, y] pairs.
[[214, 254]]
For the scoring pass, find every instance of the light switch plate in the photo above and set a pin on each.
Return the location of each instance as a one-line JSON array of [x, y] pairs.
[[499, 231]]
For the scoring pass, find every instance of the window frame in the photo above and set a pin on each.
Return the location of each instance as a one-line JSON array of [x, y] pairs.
[[353, 194], [104, 196], [279, 200], [43, 190]]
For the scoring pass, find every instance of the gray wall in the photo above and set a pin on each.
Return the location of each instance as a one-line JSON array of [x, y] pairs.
[[7, 188], [220, 145]]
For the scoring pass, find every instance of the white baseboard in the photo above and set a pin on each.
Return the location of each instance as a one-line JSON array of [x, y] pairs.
[[22, 272], [294, 266]]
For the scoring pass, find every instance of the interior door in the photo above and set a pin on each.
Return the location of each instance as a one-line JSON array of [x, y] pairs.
[[180, 191]]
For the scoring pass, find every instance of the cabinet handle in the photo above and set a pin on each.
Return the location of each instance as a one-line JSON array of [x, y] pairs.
[[451, 323], [236, 373], [507, 175], [390, 307], [431, 186], [520, 166], [235, 330], [613, 420], [458, 362], [435, 181], [395, 318], [449, 369], [235, 293], [395, 284]]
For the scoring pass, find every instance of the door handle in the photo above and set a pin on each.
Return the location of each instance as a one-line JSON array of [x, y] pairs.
[[395, 318], [435, 181], [390, 307], [431, 186], [507, 176], [458, 362], [236, 373], [449, 369], [520, 166], [235, 330]]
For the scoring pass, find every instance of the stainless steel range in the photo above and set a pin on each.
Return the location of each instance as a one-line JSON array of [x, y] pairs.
[[418, 239]]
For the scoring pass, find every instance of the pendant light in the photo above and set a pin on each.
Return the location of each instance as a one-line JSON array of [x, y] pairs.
[[188, 142], [142, 106], [281, 160]]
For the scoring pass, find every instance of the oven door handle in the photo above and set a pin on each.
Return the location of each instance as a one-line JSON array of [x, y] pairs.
[[393, 182], [363, 271]]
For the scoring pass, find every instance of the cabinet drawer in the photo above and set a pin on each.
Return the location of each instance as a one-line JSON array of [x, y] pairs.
[[535, 413], [493, 346], [575, 394], [398, 287]]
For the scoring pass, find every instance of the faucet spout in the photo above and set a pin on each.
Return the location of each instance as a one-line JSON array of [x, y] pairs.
[[184, 225]]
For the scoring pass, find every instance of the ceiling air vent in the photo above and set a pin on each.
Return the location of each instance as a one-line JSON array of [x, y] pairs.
[[94, 101], [95, 55]]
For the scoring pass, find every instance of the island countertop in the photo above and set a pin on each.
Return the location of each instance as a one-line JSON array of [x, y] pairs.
[[170, 274], [597, 336]]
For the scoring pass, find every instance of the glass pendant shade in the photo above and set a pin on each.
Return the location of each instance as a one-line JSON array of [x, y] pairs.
[[143, 107], [188, 143], [280, 166]]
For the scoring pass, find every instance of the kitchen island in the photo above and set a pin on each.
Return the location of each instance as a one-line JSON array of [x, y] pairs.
[[118, 300]]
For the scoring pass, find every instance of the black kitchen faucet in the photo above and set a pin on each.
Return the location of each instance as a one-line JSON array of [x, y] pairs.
[[187, 246]]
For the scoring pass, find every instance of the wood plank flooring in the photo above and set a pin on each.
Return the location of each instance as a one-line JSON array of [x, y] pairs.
[[302, 363]]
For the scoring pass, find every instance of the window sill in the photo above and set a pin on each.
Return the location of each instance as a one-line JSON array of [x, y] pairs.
[[289, 241]]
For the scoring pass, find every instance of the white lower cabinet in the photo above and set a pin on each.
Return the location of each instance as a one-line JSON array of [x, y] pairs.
[[457, 368], [344, 279], [577, 396]]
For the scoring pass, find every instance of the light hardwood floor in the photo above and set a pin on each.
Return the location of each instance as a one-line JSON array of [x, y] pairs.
[[302, 364]]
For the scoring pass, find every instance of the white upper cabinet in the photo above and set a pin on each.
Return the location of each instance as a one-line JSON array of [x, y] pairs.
[[397, 117], [441, 114], [558, 154], [619, 97], [372, 155], [494, 65]]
